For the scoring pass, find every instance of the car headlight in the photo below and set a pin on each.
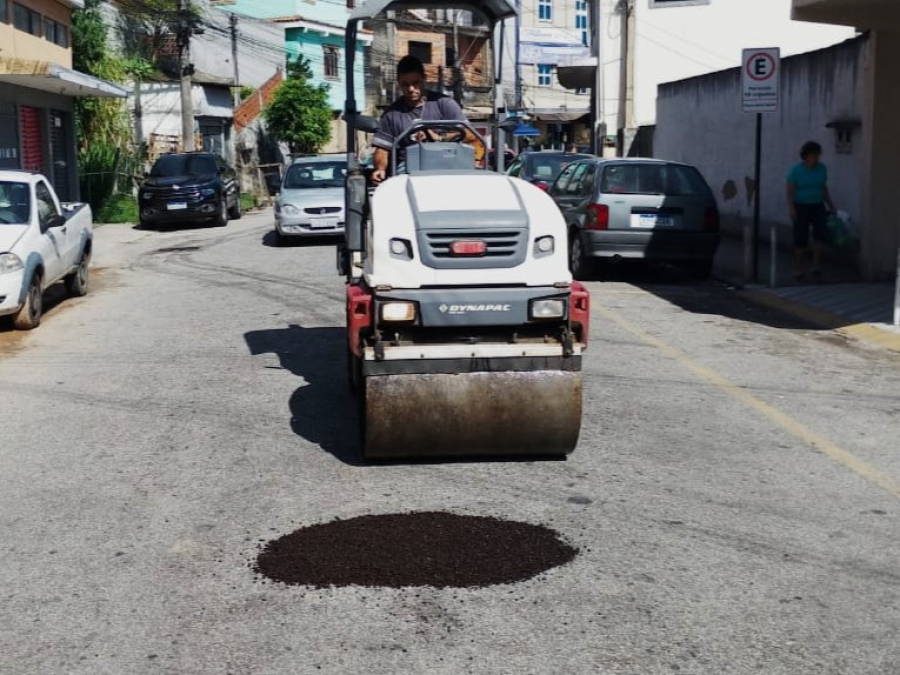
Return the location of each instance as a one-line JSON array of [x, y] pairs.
[[398, 311], [548, 309], [207, 192], [147, 195], [10, 262], [290, 208]]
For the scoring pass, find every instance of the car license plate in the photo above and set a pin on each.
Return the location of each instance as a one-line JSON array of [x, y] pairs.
[[325, 224], [177, 206], [648, 221]]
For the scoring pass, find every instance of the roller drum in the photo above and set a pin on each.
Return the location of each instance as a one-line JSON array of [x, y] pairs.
[[481, 413]]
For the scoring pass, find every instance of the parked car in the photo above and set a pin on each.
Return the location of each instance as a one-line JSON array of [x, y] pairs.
[[41, 242], [311, 201], [542, 168], [190, 187], [639, 209]]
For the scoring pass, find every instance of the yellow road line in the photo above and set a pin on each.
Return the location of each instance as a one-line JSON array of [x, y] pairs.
[[782, 419]]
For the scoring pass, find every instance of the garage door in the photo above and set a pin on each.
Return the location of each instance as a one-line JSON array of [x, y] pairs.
[[32, 139]]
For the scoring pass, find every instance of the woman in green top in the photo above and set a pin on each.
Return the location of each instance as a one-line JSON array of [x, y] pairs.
[[809, 202]]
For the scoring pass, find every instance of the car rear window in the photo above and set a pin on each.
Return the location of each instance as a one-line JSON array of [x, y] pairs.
[[653, 179], [15, 203], [315, 175], [170, 166], [547, 168]]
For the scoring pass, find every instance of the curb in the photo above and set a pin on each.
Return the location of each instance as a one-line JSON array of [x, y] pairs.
[[824, 319]]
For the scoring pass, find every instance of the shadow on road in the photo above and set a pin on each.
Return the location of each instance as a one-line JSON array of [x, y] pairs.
[[272, 240], [676, 286], [323, 411]]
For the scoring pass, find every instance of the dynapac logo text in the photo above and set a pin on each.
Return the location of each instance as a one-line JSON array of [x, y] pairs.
[[466, 309]]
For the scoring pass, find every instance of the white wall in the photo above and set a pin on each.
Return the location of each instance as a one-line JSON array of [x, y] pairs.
[[680, 42], [700, 122]]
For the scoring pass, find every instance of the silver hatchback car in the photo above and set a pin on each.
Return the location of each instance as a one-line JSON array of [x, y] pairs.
[[311, 201], [637, 209]]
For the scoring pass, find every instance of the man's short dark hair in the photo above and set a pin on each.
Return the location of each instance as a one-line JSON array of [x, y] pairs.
[[810, 148], [410, 64]]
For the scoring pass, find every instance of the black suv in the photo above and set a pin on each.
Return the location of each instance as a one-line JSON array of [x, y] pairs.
[[190, 186]]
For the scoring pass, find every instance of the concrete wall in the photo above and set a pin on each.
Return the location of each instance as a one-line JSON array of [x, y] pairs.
[[881, 133], [699, 121], [17, 44]]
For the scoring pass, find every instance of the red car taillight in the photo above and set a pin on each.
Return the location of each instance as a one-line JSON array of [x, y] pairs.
[[597, 217], [711, 219], [540, 185]]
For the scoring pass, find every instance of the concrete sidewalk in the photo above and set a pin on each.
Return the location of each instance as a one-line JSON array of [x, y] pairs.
[[841, 300]]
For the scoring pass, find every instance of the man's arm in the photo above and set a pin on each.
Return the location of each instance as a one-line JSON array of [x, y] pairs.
[[383, 142], [450, 110]]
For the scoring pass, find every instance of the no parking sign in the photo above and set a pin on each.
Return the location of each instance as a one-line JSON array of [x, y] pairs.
[[760, 76]]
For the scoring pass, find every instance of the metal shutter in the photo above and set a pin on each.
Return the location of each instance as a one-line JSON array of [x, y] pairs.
[[32, 139]]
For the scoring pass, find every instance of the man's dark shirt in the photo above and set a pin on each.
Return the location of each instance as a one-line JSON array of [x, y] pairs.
[[400, 116]]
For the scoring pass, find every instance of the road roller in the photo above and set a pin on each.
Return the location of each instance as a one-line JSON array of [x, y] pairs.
[[465, 328]]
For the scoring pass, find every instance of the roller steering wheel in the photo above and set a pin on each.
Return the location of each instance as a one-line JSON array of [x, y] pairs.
[[451, 134]]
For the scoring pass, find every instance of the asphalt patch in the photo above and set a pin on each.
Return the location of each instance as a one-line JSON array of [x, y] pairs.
[[427, 548]]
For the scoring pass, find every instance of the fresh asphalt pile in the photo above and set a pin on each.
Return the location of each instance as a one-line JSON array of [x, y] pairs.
[[428, 548]]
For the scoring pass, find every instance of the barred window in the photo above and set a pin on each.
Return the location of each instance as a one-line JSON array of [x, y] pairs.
[[332, 62]]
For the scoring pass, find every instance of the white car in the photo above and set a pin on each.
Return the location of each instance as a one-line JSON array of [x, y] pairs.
[[41, 242], [311, 201]]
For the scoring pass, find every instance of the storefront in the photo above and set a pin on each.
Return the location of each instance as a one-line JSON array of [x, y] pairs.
[[37, 121]]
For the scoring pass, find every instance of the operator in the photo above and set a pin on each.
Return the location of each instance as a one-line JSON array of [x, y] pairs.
[[415, 104]]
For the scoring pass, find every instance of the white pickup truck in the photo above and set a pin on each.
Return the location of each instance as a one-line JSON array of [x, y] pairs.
[[42, 241]]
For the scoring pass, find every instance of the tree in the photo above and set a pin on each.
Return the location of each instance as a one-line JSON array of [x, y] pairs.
[[299, 113]]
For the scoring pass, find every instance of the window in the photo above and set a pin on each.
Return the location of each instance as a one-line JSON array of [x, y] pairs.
[[315, 175], [4, 15], [563, 181], [655, 179], [351, 4], [421, 50], [46, 205], [449, 57], [332, 62], [545, 10], [545, 73], [15, 203], [27, 20], [56, 32], [581, 21]]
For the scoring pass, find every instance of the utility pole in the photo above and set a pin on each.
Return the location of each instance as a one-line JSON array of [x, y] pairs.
[[185, 31], [518, 64], [458, 81], [598, 121], [626, 80], [233, 23]]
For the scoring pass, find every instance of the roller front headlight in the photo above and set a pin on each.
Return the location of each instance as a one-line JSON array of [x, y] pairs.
[[396, 312], [554, 308]]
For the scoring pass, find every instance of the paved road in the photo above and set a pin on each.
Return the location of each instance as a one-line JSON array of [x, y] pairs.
[[735, 494]]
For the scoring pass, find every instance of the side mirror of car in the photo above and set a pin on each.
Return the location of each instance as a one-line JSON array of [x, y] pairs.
[[56, 221]]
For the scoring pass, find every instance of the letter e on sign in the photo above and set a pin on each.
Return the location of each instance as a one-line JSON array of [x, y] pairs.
[[760, 80]]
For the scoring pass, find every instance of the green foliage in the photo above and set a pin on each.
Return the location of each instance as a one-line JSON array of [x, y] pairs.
[[145, 24], [247, 201], [119, 208], [247, 91], [299, 113]]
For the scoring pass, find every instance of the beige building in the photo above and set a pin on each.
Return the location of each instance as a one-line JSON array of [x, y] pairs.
[[879, 131], [37, 90]]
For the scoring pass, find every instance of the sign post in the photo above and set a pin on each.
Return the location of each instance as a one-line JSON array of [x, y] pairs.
[[760, 93]]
